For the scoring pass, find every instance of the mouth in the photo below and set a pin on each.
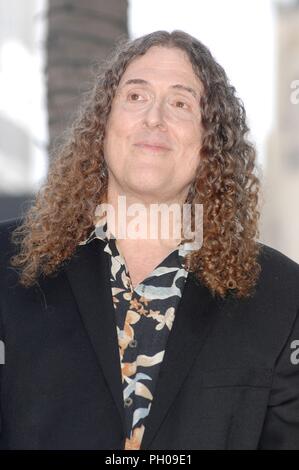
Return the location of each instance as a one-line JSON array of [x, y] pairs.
[[152, 147]]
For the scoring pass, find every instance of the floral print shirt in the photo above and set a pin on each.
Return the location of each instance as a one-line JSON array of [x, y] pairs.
[[144, 318]]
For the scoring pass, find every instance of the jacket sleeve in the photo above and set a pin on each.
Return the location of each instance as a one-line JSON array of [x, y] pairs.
[[2, 362], [5, 231], [281, 426]]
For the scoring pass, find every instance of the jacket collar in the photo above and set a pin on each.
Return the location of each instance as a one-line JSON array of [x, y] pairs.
[[89, 276]]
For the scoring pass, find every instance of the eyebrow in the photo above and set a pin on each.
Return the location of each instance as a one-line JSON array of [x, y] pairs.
[[178, 86]]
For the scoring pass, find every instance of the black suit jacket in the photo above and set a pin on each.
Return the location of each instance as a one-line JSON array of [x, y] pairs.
[[229, 378]]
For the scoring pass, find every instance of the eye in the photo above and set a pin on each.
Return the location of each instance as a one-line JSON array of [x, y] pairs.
[[133, 96], [181, 104]]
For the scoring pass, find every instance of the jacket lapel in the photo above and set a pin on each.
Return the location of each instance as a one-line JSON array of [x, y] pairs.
[[194, 318], [89, 275]]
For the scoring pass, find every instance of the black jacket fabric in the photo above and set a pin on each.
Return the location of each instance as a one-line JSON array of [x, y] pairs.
[[229, 378]]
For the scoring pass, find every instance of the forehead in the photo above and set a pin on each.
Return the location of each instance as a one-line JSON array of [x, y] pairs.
[[165, 64]]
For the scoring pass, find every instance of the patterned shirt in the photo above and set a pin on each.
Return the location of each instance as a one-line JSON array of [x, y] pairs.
[[144, 318]]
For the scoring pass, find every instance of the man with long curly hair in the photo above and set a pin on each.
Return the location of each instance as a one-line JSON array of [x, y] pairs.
[[114, 342]]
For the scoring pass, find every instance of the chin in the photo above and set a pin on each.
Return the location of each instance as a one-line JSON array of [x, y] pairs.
[[147, 188], [147, 176]]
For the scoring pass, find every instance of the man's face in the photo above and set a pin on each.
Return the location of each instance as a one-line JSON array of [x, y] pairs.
[[153, 134]]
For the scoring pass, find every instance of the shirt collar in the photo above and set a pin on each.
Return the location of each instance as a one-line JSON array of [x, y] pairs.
[[102, 232]]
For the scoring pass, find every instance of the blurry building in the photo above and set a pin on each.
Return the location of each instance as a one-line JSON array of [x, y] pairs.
[[280, 221], [80, 34]]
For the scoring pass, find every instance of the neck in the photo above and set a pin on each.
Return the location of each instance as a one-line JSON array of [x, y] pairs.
[[139, 221]]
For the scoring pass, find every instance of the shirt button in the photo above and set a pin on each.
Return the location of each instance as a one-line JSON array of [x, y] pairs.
[[128, 402], [133, 343]]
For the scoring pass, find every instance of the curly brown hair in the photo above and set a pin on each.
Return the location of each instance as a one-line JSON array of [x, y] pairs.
[[225, 182]]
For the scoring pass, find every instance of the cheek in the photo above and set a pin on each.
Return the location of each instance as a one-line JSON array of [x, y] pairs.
[[115, 134], [189, 154], [190, 139], [115, 125], [196, 134], [120, 127], [191, 163]]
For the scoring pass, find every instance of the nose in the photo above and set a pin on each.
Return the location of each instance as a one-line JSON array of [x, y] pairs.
[[154, 115]]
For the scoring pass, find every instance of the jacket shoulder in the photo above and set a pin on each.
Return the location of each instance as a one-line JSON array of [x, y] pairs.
[[277, 262], [279, 274]]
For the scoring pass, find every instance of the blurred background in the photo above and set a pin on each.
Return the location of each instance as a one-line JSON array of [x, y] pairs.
[[48, 49]]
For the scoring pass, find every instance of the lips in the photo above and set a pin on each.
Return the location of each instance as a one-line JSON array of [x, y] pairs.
[[152, 145]]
